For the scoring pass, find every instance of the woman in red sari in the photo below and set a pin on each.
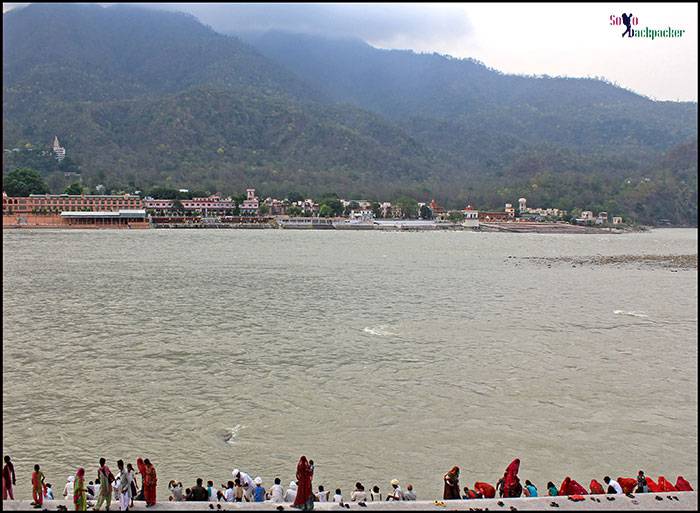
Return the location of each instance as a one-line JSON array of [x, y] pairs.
[[596, 488], [451, 490], [305, 497], [511, 481], [149, 480]]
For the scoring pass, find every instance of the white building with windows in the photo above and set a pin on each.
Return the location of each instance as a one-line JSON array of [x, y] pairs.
[[58, 150]]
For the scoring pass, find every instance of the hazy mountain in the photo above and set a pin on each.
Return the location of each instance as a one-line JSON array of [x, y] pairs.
[[145, 97], [461, 104]]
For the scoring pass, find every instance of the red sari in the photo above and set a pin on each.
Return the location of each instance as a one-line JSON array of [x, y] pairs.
[[682, 485], [571, 487], [149, 479], [485, 489], [451, 489], [653, 487], [628, 484], [511, 483], [666, 486], [596, 488], [304, 476]]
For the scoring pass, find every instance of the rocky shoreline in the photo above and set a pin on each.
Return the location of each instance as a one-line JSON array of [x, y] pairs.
[[672, 262]]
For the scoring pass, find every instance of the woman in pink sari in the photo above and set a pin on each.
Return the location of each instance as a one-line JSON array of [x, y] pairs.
[[511, 481], [305, 496]]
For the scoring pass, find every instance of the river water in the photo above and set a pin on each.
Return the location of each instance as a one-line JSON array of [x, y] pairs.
[[377, 354]]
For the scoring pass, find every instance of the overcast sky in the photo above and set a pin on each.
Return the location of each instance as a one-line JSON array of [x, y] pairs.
[[574, 40]]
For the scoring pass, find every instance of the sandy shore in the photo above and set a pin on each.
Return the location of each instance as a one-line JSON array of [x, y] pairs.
[[640, 502]]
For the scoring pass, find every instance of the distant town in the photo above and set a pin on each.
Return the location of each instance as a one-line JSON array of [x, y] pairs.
[[181, 208]]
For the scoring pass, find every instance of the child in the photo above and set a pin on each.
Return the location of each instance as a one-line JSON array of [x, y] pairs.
[[338, 497], [258, 491], [212, 491], [48, 495], [276, 491], [322, 496], [37, 487], [237, 490]]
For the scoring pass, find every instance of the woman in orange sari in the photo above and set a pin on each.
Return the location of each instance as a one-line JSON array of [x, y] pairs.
[[305, 496], [149, 479]]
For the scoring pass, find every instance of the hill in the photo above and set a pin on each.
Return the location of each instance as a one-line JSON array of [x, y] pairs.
[[142, 98]]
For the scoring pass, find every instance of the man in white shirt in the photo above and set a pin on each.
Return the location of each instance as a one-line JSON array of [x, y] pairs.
[[246, 482], [276, 493], [613, 486], [397, 494]]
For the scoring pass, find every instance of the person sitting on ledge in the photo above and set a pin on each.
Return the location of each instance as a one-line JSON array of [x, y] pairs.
[[552, 489], [397, 494], [358, 494], [530, 489], [613, 486], [409, 494], [375, 494]]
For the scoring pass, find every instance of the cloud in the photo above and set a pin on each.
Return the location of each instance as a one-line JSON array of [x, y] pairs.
[[375, 23]]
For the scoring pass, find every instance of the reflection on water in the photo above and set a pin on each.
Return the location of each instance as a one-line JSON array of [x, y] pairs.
[[379, 355]]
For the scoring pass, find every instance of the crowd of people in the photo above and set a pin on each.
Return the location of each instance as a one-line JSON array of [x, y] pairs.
[[510, 486], [124, 488]]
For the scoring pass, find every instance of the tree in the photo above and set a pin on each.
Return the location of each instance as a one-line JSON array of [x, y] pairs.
[[23, 182], [376, 210], [294, 211], [325, 211], [408, 207], [74, 189], [293, 197], [263, 209], [425, 212], [456, 216]]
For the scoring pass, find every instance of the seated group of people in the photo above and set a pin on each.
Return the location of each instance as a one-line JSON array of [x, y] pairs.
[[509, 486]]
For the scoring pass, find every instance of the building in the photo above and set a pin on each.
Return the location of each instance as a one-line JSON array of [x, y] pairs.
[[617, 220], [211, 205], [602, 218], [587, 215], [510, 210], [58, 150], [276, 207], [522, 205], [493, 217], [56, 203], [251, 204], [437, 210], [471, 217]]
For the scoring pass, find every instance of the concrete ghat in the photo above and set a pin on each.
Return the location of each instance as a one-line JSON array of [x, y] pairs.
[[641, 502]]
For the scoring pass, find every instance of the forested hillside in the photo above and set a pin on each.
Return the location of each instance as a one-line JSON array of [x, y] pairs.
[[144, 98]]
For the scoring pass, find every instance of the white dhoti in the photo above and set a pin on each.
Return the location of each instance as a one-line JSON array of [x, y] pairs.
[[124, 499]]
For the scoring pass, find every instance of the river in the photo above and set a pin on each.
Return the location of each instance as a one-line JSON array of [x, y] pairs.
[[379, 355]]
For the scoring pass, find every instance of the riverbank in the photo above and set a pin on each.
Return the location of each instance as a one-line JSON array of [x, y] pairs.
[[674, 501]]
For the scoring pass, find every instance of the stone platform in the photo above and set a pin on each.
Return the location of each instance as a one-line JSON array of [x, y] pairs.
[[686, 501]]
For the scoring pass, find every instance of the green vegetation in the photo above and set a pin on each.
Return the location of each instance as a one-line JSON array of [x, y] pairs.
[[23, 182], [74, 188], [172, 105]]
